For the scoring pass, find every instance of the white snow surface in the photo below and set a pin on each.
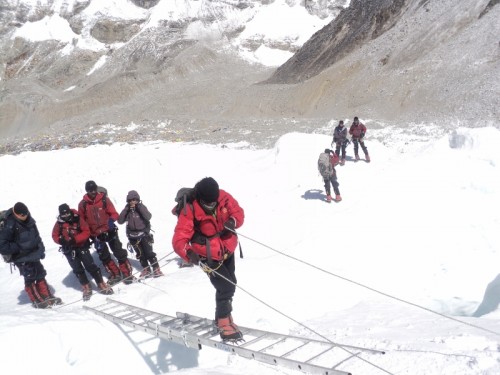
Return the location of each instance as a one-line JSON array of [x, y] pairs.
[[400, 264]]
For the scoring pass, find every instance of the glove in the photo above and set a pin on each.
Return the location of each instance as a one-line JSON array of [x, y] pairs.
[[193, 257], [67, 243], [103, 237], [111, 224], [42, 256], [362, 136], [230, 224]]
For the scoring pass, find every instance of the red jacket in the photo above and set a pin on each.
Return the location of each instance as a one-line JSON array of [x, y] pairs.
[[356, 130], [79, 230], [208, 225], [94, 213], [334, 160]]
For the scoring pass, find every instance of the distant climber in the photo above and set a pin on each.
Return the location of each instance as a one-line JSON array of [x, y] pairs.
[[358, 131]]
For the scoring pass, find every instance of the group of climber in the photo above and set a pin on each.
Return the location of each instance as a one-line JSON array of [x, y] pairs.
[[75, 231], [204, 235], [329, 159]]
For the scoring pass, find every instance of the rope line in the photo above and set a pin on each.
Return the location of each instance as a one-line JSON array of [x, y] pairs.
[[206, 268], [370, 288], [57, 307]]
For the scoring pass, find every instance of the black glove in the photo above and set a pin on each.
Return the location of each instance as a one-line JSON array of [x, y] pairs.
[[362, 136], [230, 224], [67, 243], [193, 257], [103, 237]]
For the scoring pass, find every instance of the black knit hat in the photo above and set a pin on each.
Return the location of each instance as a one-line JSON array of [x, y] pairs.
[[64, 209], [21, 209], [90, 186], [207, 190]]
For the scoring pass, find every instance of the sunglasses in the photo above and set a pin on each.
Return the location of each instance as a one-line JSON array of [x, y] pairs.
[[66, 214], [208, 205]]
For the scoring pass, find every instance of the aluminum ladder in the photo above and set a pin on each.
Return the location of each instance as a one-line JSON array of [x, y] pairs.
[[298, 353]]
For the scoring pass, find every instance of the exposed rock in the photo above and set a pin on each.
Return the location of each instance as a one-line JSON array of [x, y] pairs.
[[354, 26], [146, 4], [111, 31], [396, 62], [490, 5]]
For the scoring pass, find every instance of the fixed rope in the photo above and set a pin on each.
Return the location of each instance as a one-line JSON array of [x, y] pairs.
[[370, 288], [57, 307], [207, 269]]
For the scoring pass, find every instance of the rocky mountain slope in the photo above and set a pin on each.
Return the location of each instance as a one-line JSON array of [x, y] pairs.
[[387, 61]]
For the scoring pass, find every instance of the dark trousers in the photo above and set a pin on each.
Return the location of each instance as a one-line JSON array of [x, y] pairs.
[[331, 180], [143, 248], [340, 145], [224, 290], [355, 141], [114, 244], [80, 260], [31, 271]]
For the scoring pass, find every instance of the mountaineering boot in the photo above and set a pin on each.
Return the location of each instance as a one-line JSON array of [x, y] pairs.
[[126, 270], [44, 291], [36, 299], [338, 198], [87, 292], [114, 272], [367, 158], [328, 198], [157, 272], [145, 273], [357, 157], [105, 289], [156, 268], [228, 330], [342, 162]]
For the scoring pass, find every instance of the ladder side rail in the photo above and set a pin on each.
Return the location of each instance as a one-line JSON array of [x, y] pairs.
[[262, 350], [152, 328], [321, 353], [253, 341], [277, 360], [324, 342], [181, 336], [354, 355], [295, 349], [130, 306]]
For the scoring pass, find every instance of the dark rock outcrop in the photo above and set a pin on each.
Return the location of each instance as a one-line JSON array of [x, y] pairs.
[[354, 26], [146, 4]]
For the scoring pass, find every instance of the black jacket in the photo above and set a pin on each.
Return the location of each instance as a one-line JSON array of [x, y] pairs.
[[21, 239]]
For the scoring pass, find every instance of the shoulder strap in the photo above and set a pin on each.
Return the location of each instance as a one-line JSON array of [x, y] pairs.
[[104, 200]]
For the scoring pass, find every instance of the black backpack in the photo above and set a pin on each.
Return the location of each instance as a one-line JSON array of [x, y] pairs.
[[3, 215], [184, 197]]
